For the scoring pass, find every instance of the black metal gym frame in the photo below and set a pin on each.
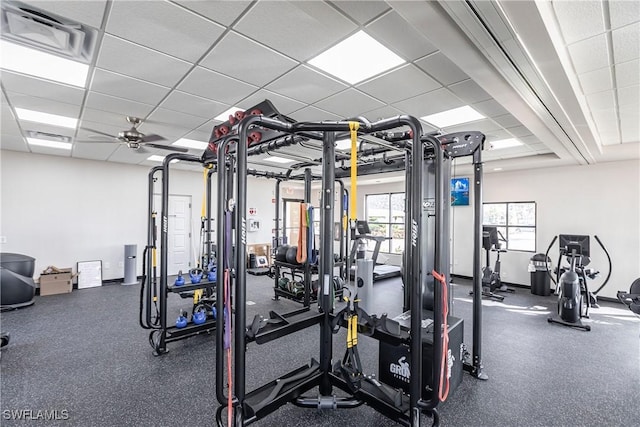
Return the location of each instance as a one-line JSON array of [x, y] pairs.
[[249, 407]]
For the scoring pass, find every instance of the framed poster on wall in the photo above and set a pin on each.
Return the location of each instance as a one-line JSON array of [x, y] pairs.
[[459, 191], [89, 274]]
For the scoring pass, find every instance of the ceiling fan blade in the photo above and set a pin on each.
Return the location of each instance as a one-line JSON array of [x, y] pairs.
[[167, 147], [98, 132], [152, 137]]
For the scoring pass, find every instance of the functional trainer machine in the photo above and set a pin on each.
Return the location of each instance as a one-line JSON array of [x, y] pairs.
[[242, 407], [574, 296]]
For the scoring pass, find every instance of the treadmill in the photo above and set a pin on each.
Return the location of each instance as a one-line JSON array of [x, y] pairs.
[[380, 271]]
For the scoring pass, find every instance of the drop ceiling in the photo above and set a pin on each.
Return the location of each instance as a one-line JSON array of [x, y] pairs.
[[561, 77]]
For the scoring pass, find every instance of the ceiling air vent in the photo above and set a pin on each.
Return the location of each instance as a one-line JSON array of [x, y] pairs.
[[44, 31], [47, 136]]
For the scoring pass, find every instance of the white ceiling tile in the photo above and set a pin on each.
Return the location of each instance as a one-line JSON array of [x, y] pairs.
[[33, 86], [383, 112], [165, 27], [604, 118], [43, 105], [124, 154], [623, 12], [85, 12], [519, 131], [402, 83], [394, 32], [612, 138], [626, 43], [429, 103], [212, 85], [579, 20], [137, 61], [469, 91], [596, 81], [114, 84], [94, 150], [49, 151], [198, 135], [442, 69], [165, 117], [349, 103], [194, 105], [484, 125], [497, 135], [630, 127], [628, 73], [256, 65], [298, 29], [629, 96], [362, 11], [283, 104], [490, 108], [8, 123], [306, 85], [12, 142], [590, 54], [311, 113], [506, 121], [207, 127], [601, 101], [222, 11], [87, 128], [124, 107]]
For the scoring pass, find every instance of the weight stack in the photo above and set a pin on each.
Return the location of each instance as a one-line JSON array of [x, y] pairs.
[[130, 276]]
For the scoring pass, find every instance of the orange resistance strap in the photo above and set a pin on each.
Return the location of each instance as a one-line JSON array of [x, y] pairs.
[[443, 390], [301, 256]]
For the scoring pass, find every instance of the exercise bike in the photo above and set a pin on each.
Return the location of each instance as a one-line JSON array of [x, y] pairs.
[[574, 297], [491, 281]]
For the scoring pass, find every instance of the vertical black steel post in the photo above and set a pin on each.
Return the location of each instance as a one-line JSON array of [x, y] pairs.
[[276, 226], [209, 214], [343, 252], [151, 244], [407, 256], [477, 270], [307, 264], [164, 243], [326, 259], [222, 257]]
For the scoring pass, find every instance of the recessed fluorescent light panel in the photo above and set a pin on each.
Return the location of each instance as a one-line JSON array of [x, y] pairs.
[[497, 169], [40, 64], [453, 117], [343, 144], [191, 143], [276, 159], [46, 118], [48, 143], [223, 117], [505, 143], [357, 58]]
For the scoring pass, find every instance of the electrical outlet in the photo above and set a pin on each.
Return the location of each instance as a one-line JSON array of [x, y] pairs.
[[107, 265], [3, 239], [120, 264]]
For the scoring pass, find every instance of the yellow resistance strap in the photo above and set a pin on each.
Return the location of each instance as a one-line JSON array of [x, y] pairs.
[[353, 204]]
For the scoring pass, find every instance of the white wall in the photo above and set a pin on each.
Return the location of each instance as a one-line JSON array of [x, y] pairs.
[[61, 210]]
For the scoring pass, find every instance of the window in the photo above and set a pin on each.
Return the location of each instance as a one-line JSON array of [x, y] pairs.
[[385, 215], [516, 221]]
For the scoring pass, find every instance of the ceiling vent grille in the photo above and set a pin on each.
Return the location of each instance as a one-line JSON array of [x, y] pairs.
[[47, 136], [50, 33]]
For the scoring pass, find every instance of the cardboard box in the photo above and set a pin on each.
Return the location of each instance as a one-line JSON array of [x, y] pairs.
[[56, 283], [260, 249]]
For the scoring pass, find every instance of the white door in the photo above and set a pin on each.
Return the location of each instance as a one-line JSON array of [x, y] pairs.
[[179, 233]]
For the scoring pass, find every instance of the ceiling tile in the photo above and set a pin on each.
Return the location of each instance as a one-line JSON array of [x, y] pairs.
[[469, 91], [407, 42], [362, 11], [198, 135], [165, 27], [429, 103], [43, 105], [256, 65], [596, 81], [519, 131], [623, 12], [383, 112], [49, 151], [212, 85], [194, 105], [85, 12], [110, 83], [137, 61], [125, 154], [630, 127], [313, 114], [306, 85], [497, 135], [222, 11], [579, 20], [629, 96], [590, 54], [485, 126], [298, 29], [626, 43], [506, 121], [628, 73], [442, 69], [207, 127], [12, 142], [490, 108], [87, 128], [8, 123], [165, 117], [124, 107], [601, 101], [349, 103], [283, 104], [33, 86], [94, 151], [402, 83]]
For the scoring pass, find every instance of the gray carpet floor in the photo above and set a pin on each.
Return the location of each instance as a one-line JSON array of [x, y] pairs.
[[84, 353]]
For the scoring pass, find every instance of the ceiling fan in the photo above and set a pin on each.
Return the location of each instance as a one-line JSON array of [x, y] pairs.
[[133, 138]]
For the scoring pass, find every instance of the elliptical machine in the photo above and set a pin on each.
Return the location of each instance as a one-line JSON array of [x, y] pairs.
[[574, 296], [491, 281]]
